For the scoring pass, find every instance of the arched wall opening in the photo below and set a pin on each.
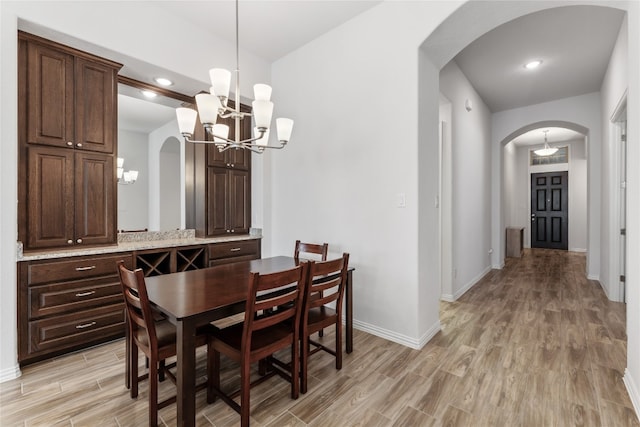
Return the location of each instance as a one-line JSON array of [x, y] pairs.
[[467, 23], [518, 170], [170, 183]]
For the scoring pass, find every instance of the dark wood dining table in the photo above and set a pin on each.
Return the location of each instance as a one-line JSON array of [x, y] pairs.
[[193, 298]]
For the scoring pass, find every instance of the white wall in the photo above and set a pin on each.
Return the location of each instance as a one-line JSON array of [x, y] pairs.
[[471, 179], [517, 190], [133, 200], [614, 87], [583, 110], [157, 140], [352, 158]]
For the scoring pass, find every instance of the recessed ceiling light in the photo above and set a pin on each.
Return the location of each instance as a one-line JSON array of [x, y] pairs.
[[533, 64], [149, 94], [163, 82]]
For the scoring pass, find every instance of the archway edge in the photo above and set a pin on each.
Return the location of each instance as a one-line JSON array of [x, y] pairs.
[[476, 19], [542, 124]]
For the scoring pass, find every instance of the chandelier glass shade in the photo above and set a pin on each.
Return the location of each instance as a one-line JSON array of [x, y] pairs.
[[125, 177], [546, 150], [215, 104]]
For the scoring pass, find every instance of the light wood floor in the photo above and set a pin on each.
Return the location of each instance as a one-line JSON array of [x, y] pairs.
[[535, 344]]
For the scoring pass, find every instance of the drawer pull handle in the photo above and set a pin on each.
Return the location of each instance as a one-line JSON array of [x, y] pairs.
[[91, 267], [234, 250], [85, 294], [86, 325]]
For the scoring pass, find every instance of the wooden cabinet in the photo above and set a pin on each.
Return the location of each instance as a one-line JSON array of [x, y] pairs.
[[154, 262], [71, 97], [67, 146], [515, 241], [69, 199], [219, 187], [68, 303], [240, 250]]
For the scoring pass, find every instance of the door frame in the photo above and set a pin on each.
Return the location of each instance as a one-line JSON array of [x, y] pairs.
[[616, 287]]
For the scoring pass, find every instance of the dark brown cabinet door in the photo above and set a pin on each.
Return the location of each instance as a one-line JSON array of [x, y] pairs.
[[239, 202], [67, 107], [232, 158], [50, 103], [96, 99], [50, 197], [218, 188], [94, 196]]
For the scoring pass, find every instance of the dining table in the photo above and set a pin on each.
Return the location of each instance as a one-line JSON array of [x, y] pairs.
[[193, 298]]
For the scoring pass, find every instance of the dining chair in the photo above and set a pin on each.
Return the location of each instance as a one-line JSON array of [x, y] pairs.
[[311, 248], [153, 335], [262, 333], [328, 279]]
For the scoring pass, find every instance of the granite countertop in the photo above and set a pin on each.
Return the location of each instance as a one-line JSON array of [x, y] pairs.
[[137, 241]]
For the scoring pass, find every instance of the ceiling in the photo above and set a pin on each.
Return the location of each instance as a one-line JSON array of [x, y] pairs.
[[574, 43], [270, 29]]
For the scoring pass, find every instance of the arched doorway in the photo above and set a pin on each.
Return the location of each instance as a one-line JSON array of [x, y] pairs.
[[469, 22], [520, 166], [170, 183]]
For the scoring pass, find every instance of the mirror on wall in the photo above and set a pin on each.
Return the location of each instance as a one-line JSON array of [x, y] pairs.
[[149, 142]]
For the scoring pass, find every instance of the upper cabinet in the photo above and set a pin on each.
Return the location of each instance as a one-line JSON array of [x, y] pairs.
[[67, 146], [71, 98]]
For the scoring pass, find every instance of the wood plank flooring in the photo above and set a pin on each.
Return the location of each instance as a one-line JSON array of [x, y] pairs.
[[534, 344]]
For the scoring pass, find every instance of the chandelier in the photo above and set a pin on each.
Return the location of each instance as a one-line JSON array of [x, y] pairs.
[[125, 177], [214, 104], [546, 150]]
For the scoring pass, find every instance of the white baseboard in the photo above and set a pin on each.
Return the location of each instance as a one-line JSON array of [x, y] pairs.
[[407, 341], [632, 389], [593, 277], [581, 250], [447, 298], [465, 288], [10, 373]]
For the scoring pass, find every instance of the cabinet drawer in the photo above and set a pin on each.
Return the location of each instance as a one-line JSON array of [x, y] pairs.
[[80, 328], [75, 268], [65, 297], [234, 249]]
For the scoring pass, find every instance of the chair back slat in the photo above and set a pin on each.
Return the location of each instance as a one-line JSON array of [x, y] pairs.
[[326, 281], [267, 291], [139, 314], [311, 248]]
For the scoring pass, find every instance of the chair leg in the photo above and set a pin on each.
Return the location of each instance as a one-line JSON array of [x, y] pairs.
[[161, 371], [133, 370], [321, 333], [339, 344], [245, 385], [213, 374], [295, 370], [304, 362], [153, 392]]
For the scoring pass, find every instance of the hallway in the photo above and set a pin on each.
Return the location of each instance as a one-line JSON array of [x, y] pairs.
[[536, 344]]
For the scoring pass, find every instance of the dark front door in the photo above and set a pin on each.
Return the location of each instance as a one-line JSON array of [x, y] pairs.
[[549, 210]]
